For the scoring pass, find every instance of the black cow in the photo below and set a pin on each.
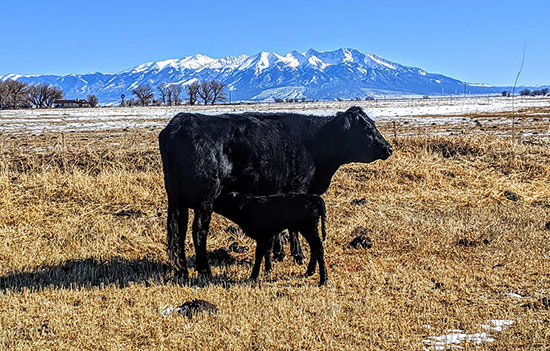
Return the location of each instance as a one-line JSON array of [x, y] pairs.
[[263, 217], [204, 156]]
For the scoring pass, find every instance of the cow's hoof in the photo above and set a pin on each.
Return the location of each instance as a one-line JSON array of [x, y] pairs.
[[279, 256], [299, 259], [252, 282], [182, 275], [309, 273], [204, 277]]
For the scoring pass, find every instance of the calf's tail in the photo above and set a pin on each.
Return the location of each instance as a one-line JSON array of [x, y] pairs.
[[323, 217]]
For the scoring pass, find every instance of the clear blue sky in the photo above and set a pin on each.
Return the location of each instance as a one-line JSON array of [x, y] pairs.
[[476, 41]]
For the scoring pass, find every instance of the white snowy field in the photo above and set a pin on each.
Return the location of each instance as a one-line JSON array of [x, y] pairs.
[[413, 112]]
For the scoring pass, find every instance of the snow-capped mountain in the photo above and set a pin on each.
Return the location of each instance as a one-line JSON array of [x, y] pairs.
[[339, 74]]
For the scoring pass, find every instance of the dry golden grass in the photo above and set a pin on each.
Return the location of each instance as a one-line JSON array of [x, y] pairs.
[[83, 262]]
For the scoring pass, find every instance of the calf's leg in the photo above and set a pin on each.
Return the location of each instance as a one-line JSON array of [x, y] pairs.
[[261, 246], [267, 255], [279, 247], [295, 248], [317, 253]]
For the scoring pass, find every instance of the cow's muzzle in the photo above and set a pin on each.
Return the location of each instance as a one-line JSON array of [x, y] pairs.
[[388, 150]]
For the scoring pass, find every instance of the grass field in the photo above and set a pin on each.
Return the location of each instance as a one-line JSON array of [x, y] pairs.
[[458, 225]]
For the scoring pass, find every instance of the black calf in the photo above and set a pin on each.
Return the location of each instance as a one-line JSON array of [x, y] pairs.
[[263, 217]]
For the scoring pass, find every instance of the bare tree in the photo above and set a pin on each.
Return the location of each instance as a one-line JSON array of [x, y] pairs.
[[205, 92], [174, 94], [193, 92], [93, 100], [37, 94], [164, 90], [144, 93], [16, 93], [3, 95], [525, 92], [43, 95], [218, 93], [54, 94]]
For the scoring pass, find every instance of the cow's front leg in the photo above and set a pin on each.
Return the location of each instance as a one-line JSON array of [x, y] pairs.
[[201, 222], [295, 248]]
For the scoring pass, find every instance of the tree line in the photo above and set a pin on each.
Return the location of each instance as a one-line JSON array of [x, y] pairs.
[[528, 92], [15, 94], [207, 92]]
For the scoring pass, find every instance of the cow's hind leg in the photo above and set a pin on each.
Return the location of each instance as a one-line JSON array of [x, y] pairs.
[[201, 223], [175, 243], [295, 248]]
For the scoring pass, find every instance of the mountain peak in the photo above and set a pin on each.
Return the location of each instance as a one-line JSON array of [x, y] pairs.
[[342, 73]]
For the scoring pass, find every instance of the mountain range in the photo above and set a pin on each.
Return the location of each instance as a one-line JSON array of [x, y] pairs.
[[266, 76]]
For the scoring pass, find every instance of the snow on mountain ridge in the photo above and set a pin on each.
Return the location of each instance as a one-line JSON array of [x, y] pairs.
[[344, 73]]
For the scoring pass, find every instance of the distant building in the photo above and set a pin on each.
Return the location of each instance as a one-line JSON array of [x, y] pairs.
[[71, 103]]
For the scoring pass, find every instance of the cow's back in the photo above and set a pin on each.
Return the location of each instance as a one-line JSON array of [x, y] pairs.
[[250, 153]]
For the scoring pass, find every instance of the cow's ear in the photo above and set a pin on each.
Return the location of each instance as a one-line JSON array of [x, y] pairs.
[[344, 120], [355, 111]]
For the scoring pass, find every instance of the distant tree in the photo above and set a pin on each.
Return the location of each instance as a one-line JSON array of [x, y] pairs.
[[16, 93], [193, 92], [279, 100], [218, 93], [133, 102], [505, 93], [37, 94], [164, 90], [3, 95], [53, 94], [174, 92], [544, 91], [205, 92], [144, 93], [93, 100], [525, 92]]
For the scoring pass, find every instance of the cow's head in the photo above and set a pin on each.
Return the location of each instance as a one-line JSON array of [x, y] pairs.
[[362, 141]]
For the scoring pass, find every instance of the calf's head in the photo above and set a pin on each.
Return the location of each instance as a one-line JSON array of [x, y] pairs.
[[361, 140]]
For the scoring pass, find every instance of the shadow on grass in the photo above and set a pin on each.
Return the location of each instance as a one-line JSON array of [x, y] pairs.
[[117, 272]]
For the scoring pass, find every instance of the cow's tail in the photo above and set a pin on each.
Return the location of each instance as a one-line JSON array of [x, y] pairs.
[[323, 217], [176, 230]]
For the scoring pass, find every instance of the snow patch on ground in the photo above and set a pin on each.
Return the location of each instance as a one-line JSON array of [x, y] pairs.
[[415, 112], [455, 337]]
